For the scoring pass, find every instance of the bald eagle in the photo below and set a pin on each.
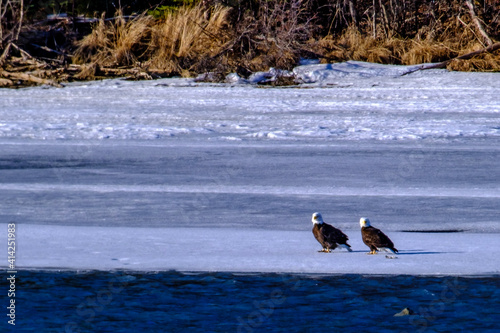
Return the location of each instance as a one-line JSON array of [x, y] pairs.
[[329, 237], [375, 239]]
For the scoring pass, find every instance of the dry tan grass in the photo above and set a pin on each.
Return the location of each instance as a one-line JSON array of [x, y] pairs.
[[450, 40], [186, 36], [130, 38], [91, 46], [119, 42], [486, 62], [353, 45], [425, 51], [174, 44]]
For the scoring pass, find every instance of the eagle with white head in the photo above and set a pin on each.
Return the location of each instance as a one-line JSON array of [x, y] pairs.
[[375, 239], [328, 236]]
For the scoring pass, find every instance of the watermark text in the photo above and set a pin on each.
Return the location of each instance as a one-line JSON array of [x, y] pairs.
[[11, 273]]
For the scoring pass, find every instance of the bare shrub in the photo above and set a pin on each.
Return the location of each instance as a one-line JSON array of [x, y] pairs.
[[11, 22], [274, 35]]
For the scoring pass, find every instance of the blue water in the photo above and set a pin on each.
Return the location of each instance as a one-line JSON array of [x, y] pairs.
[[225, 302]]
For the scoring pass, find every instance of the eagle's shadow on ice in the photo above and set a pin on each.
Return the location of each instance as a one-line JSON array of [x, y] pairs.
[[415, 252]]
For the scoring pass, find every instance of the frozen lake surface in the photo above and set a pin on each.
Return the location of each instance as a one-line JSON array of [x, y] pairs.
[[250, 251], [413, 153], [266, 185], [172, 205]]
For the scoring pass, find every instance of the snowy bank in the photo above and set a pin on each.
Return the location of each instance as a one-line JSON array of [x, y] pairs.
[[347, 101], [248, 250]]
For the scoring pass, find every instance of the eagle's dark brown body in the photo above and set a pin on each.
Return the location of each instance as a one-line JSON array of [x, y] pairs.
[[329, 237], [376, 239]]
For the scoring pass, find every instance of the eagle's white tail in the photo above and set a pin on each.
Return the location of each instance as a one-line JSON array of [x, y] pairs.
[[386, 249], [346, 247]]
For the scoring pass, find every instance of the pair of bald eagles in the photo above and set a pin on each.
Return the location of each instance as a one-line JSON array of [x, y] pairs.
[[330, 237]]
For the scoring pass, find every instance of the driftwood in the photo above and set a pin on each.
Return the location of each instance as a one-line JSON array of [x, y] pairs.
[[20, 71], [489, 49], [26, 77], [25, 72], [134, 72], [7, 51], [84, 72], [477, 23], [6, 83]]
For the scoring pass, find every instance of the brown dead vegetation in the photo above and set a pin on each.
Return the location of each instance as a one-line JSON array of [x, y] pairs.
[[188, 39], [211, 37]]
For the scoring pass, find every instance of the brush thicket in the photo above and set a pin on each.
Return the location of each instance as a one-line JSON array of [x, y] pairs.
[[276, 33]]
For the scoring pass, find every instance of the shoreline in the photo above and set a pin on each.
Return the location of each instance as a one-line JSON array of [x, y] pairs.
[[245, 273], [145, 41]]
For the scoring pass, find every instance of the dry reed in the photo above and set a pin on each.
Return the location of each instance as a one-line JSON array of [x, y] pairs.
[[199, 39], [188, 36], [428, 46], [115, 43]]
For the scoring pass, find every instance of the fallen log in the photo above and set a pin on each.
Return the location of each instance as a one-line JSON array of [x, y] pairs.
[[27, 77], [6, 82], [477, 23], [132, 72], [443, 64]]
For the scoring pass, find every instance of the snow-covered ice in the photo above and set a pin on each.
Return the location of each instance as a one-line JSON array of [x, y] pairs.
[[362, 102], [119, 174], [250, 250]]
